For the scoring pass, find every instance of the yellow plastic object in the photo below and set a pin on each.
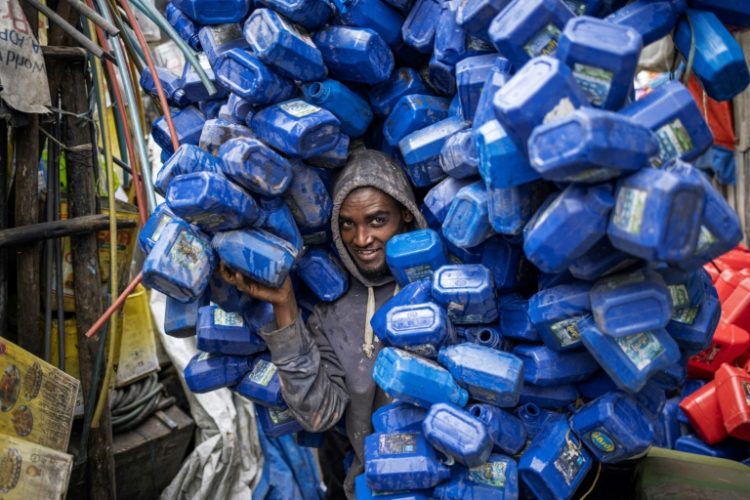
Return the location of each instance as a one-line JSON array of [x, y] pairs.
[[138, 356], [29, 470]]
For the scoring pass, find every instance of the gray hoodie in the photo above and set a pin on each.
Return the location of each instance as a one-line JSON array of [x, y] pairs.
[[324, 367]]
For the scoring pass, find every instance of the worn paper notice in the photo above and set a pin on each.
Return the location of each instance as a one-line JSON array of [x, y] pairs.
[[29, 470]]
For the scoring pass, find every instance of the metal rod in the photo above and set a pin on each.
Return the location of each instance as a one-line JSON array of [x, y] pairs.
[[87, 11]]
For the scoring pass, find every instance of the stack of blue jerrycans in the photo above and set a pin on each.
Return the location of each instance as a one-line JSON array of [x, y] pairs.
[[548, 310]]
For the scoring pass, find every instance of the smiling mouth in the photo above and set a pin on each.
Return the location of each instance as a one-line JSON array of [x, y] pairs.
[[366, 254]]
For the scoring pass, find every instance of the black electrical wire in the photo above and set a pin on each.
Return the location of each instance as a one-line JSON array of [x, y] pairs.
[[131, 405]]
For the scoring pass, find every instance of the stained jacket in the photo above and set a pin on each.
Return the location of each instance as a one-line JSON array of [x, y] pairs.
[[323, 366]]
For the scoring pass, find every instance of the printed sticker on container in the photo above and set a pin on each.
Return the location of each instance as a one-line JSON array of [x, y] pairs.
[[705, 240], [263, 372], [601, 440], [592, 175], [298, 108], [641, 348], [164, 219], [566, 331], [476, 44], [595, 82], [399, 443], [570, 462], [544, 42], [562, 109], [187, 251], [204, 356], [207, 219], [685, 316], [224, 33], [280, 416], [746, 387], [416, 273], [707, 356], [680, 296], [629, 209], [491, 474], [224, 318], [674, 140]]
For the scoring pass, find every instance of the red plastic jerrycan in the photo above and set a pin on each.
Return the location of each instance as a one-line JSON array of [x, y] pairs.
[[713, 272], [728, 281], [729, 343], [733, 392], [736, 308], [703, 412], [737, 258]]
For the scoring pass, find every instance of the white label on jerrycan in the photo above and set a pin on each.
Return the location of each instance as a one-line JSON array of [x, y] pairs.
[[629, 209], [561, 110], [641, 348], [595, 82], [491, 474]]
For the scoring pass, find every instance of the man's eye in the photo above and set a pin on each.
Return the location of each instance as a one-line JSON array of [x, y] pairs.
[[346, 224], [379, 221]]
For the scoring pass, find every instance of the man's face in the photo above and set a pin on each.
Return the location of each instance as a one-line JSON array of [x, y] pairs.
[[367, 220]]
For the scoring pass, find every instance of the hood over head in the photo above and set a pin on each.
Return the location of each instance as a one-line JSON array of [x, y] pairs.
[[371, 168]]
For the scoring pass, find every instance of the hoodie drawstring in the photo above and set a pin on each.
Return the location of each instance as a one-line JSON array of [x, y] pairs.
[[368, 347]]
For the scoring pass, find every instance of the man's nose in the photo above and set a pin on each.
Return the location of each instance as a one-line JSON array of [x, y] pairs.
[[362, 237]]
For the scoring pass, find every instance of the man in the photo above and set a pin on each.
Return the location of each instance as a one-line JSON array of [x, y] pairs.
[[326, 367]]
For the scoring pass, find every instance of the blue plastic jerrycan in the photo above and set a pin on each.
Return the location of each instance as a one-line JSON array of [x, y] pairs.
[[180, 263], [631, 302], [416, 380], [458, 255], [211, 108], [171, 84], [335, 157], [403, 81], [566, 227], [441, 78], [355, 54], [515, 322], [413, 112], [188, 123], [283, 46], [467, 223], [603, 57], [731, 449], [484, 335], [613, 428], [497, 478], [533, 418], [398, 416], [156, 222], [600, 260], [525, 29], [277, 422], [362, 491], [471, 75], [237, 110], [217, 131], [500, 162], [183, 25], [653, 19], [255, 166], [413, 255], [673, 115], [278, 220], [397, 461], [672, 377], [459, 157], [297, 128], [373, 14], [322, 274], [218, 39], [510, 269], [256, 253], [227, 296], [416, 292], [420, 150], [590, 146], [541, 92], [452, 43], [545, 367], [418, 29], [193, 89], [732, 12], [585, 7], [555, 463], [457, 434], [686, 289], [490, 376], [671, 427], [475, 16], [438, 200], [511, 208], [551, 397], [180, 320], [206, 372], [467, 292], [498, 76], [309, 201], [353, 112], [211, 201], [243, 74], [261, 384], [657, 215], [310, 14], [507, 431], [631, 360], [214, 11], [693, 327], [225, 332], [556, 313]]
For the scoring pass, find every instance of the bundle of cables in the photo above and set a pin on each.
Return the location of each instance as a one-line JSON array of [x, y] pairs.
[[134, 403]]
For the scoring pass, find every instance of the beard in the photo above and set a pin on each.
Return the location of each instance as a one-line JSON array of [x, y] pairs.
[[375, 273]]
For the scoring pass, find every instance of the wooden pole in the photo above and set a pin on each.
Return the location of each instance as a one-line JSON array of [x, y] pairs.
[[87, 283], [3, 225], [59, 229]]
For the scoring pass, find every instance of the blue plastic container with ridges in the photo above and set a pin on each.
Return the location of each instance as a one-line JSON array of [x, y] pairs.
[[672, 377], [261, 384], [373, 14], [693, 328], [567, 226], [440, 77], [225, 332], [657, 215], [214, 11], [467, 292], [416, 292], [193, 89], [555, 463], [533, 418], [652, 19], [467, 223], [471, 74], [156, 222], [510, 269], [475, 16], [278, 219], [362, 491], [171, 84], [416, 380], [237, 110], [459, 158], [226, 295], [497, 77], [217, 131], [243, 74], [613, 428], [210, 109], [188, 123], [257, 254], [334, 157], [353, 112], [180, 263], [632, 302], [414, 255], [670, 424], [484, 335], [732, 12], [413, 112], [600, 260], [283, 46], [322, 274], [490, 376], [673, 115], [310, 14], [355, 54], [218, 39], [180, 319], [452, 43], [308, 199], [497, 479], [511, 208], [686, 289], [603, 57], [590, 146], [506, 431], [403, 81], [276, 422], [397, 461], [515, 322], [255, 166], [206, 372], [418, 29], [398, 416], [500, 163], [420, 150], [525, 29], [544, 367], [438, 200], [556, 313], [541, 92], [183, 25], [297, 128], [631, 360], [211, 201], [551, 397], [458, 255], [457, 434]]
